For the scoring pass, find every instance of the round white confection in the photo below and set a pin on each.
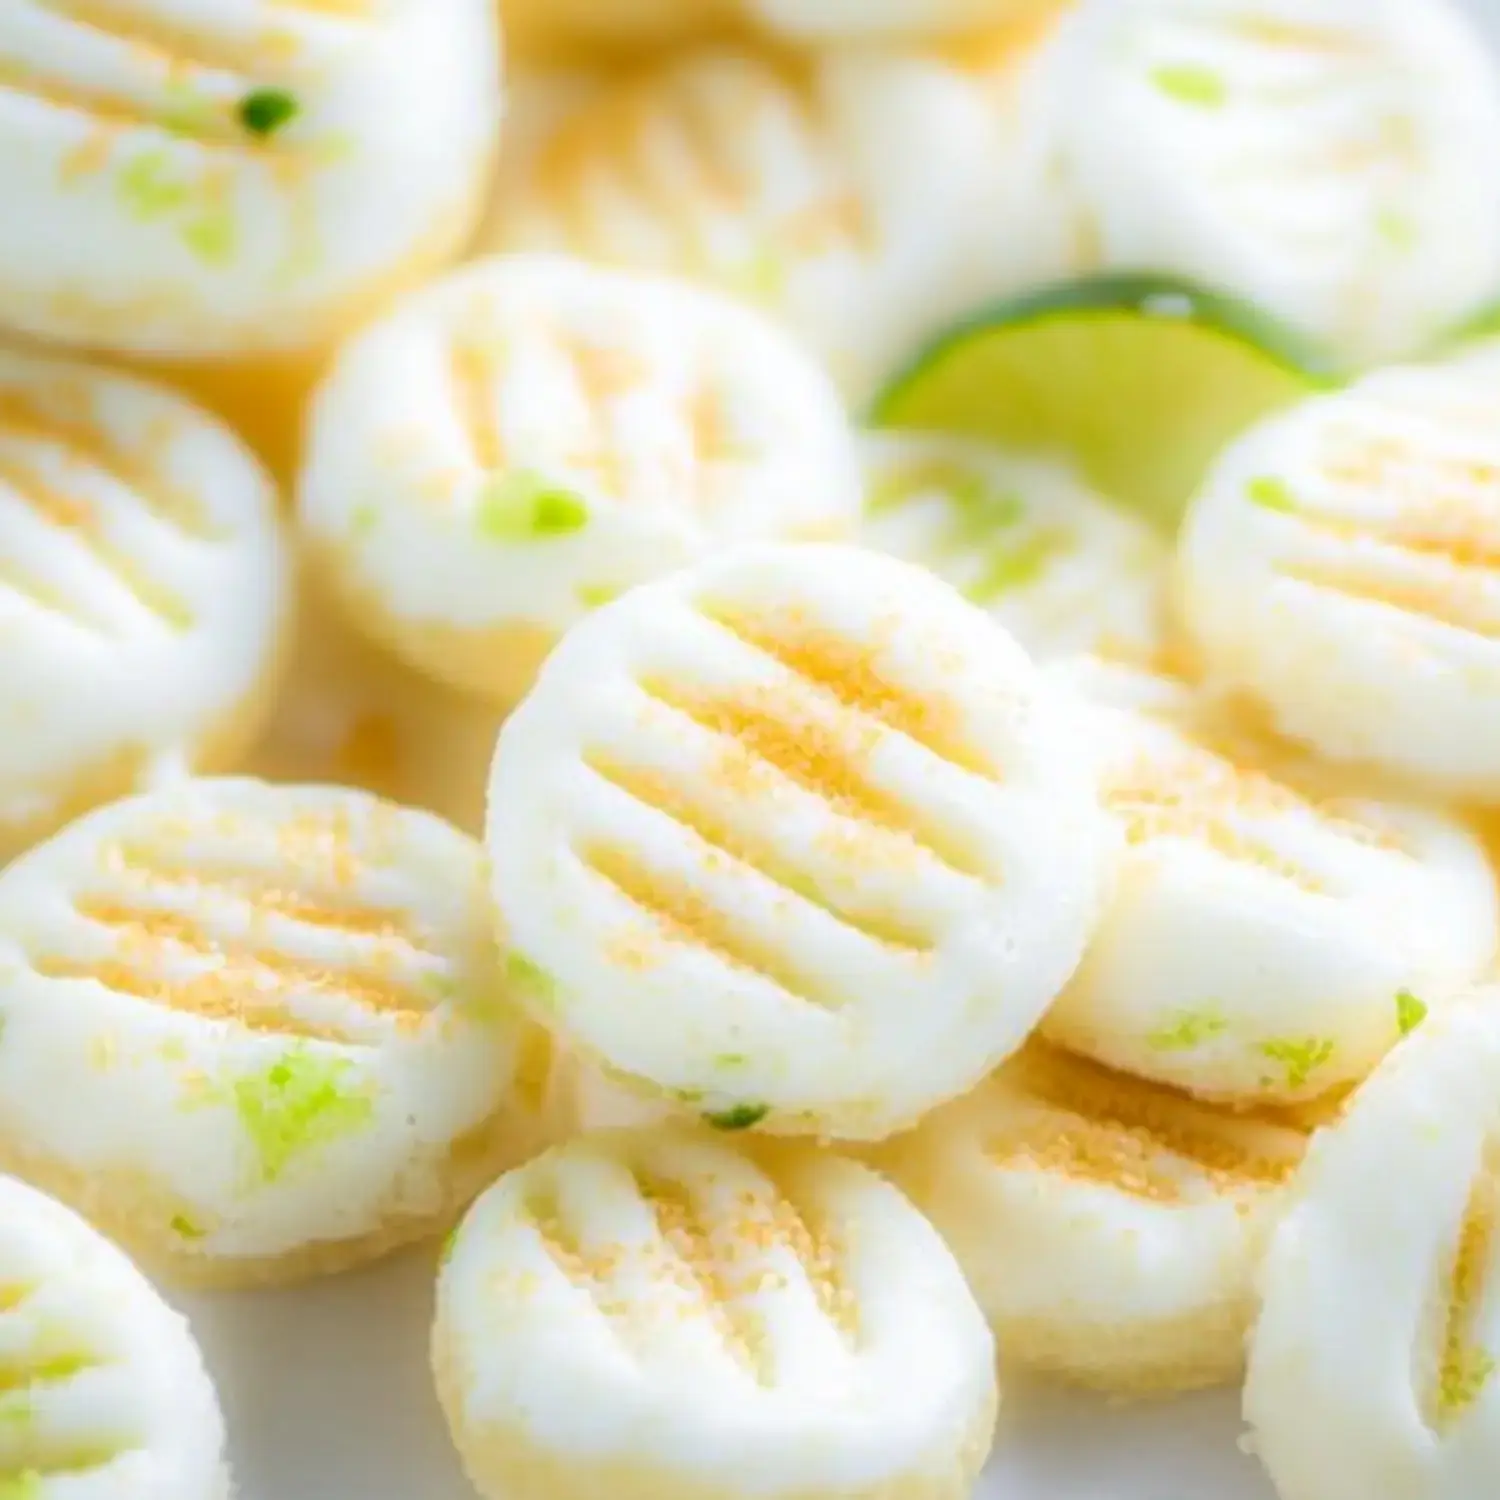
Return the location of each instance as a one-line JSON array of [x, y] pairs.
[[191, 176], [1110, 1228], [143, 589], [836, 191], [1373, 1367], [105, 1395], [1059, 567], [1272, 921], [533, 434], [242, 1021], [656, 1314], [1329, 160], [1341, 568], [797, 836]]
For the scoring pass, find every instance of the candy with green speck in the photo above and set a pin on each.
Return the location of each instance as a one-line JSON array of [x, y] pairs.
[[1191, 1028], [741, 1117], [1300, 1057], [731, 1060], [265, 111], [1272, 494], [364, 518], [1410, 1012], [27, 1486], [1191, 84], [212, 236], [185, 1228], [150, 187], [533, 980], [301, 1103], [525, 507]]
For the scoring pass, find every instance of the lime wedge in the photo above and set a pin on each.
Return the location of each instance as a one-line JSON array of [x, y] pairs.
[[1140, 381]]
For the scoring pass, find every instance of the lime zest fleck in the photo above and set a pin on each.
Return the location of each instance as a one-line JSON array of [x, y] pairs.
[[1301, 1057], [1191, 84], [185, 111], [1271, 493], [1465, 1373], [17, 1410], [212, 236], [741, 1117], [1397, 230], [265, 111], [24, 1486], [299, 1104], [760, 277], [688, 1096], [1189, 1029], [187, 1228], [531, 980], [1410, 1012], [1019, 566], [525, 506], [597, 595], [731, 1060], [150, 186], [450, 1244], [364, 518]]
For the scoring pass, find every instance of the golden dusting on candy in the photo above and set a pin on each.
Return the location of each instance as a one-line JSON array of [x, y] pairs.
[[674, 915], [1460, 602], [851, 671], [1143, 1139], [473, 371], [63, 421], [1465, 1367], [81, 522], [774, 732]]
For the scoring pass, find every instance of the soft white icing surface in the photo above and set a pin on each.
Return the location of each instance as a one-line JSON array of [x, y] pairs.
[[105, 1396], [142, 126], [797, 834], [664, 1303], [262, 1016]]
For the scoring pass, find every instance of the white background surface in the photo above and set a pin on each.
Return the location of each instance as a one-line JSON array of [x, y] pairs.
[[328, 1395]]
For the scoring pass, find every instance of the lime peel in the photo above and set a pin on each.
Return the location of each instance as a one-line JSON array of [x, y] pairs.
[[526, 506]]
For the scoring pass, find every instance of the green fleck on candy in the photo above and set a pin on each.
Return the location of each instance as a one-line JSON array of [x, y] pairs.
[[1191, 84], [1191, 1029], [27, 1486], [150, 187], [1272, 494], [1301, 1058], [741, 1117], [730, 1060], [300, 1104], [185, 1228], [1018, 567], [1410, 1012], [533, 981], [266, 111], [1397, 231], [1466, 1372], [688, 1096], [17, 1412], [525, 507], [597, 595], [761, 278], [212, 237], [450, 1244], [363, 519]]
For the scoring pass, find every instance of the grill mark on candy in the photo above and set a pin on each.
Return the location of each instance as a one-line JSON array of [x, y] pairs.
[[744, 852]]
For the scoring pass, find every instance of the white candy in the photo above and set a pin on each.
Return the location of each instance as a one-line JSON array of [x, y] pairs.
[[105, 1395], [192, 176], [532, 434], [143, 584], [856, 20], [1023, 538], [255, 1030], [1332, 161], [1110, 1228], [1372, 1370], [837, 192], [655, 1314], [795, 836], [1341, 567], [1271, 920]]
